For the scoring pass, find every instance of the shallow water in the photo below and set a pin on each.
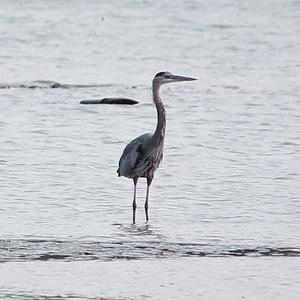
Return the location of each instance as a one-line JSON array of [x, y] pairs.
[[224, 205]]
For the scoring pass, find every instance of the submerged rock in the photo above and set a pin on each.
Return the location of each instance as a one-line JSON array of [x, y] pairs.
[[110, 101]]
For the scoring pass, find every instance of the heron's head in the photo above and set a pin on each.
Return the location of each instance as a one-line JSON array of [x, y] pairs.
[[167, 77]]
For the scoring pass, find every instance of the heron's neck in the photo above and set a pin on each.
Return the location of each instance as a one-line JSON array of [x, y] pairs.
[[159, 133]]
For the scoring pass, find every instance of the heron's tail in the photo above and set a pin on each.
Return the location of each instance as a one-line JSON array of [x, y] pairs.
[[118, 171]]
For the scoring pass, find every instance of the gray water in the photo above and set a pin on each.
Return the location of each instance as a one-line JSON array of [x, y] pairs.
[[224, 207]]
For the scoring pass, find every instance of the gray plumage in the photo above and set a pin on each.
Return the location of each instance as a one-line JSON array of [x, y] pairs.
[[142, 156]]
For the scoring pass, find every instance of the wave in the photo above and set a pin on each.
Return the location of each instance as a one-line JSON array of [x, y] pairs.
[[44, 250], [47, 84]]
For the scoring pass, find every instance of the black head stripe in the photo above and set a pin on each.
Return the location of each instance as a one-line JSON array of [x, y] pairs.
[[160, 74]]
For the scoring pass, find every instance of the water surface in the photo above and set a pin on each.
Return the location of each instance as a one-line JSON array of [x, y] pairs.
[[224, 207]]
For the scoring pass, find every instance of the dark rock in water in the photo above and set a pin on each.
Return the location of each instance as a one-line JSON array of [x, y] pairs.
[[90, 102], [110, 101], [118, 101]]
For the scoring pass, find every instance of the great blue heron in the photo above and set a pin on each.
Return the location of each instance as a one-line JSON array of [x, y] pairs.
[[142, 156]]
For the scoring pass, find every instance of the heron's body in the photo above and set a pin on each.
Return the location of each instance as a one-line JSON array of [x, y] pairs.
[[142, 156]]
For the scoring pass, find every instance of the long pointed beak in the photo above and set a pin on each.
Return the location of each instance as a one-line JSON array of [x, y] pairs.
[[181, 78]]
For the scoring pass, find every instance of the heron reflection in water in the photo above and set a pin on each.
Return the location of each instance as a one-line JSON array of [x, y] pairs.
[[142, 156]]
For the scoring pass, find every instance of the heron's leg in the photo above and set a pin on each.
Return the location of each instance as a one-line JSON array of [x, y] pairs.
[[149, 180], [134, 206]]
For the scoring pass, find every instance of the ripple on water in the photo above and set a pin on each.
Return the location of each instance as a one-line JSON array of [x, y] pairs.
[[44, 250]]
